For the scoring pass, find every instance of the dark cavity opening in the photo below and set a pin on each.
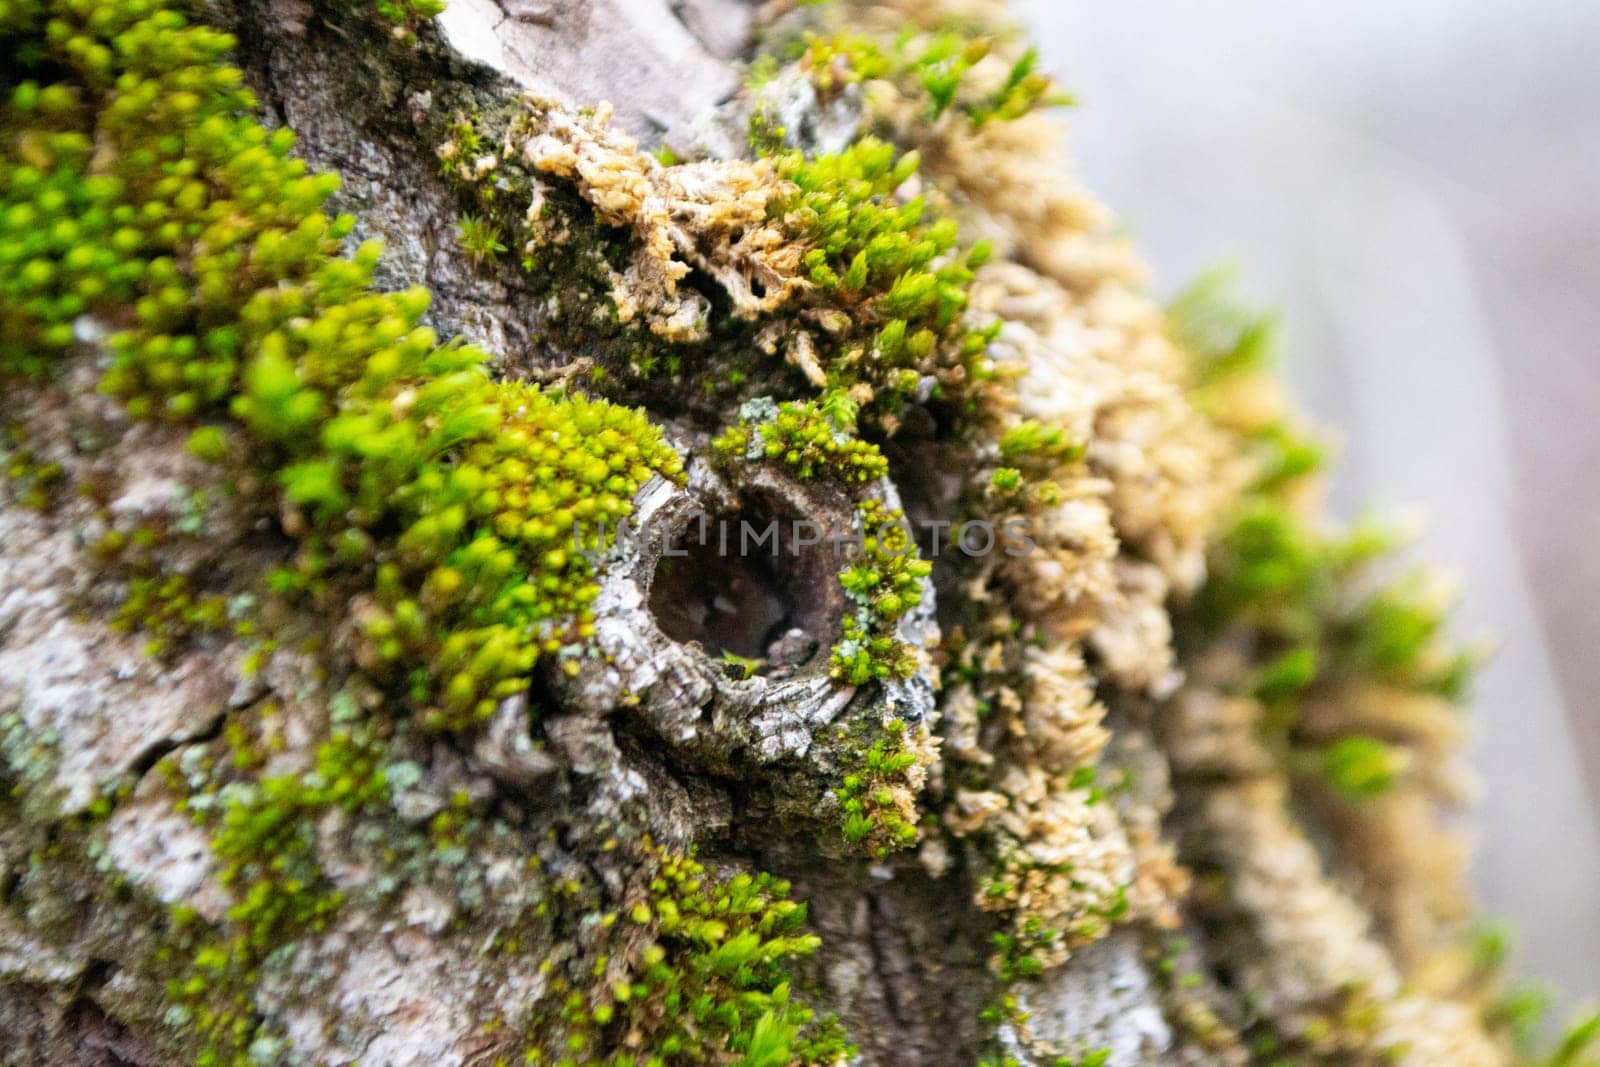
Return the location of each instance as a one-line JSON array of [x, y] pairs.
[[741, 589]]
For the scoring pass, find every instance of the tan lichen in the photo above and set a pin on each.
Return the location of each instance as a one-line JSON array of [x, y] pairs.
[[714, 216]]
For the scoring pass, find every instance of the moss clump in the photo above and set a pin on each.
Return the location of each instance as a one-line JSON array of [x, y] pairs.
[[167, 609], [835, 61], [32, 483], [883, 585], [479, 239], [1311, 596], [893, 268], [884, 581], [1360, 767], [489, 571], [814, 439], [170, 608], [878, 795], [138, 195], [1033, 444], [265, 841], [405, 16], [1321, 612], [1033, 457], [833, 258], [1030, 944], [938, 67], [136, 189], [698, 973]]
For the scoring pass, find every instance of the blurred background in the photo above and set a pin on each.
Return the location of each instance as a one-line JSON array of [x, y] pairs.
[[1416, 185]]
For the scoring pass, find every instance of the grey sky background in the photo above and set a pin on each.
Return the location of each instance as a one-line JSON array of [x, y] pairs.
[[1416, 185]]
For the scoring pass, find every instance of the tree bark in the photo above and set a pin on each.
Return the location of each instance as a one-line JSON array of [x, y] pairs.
[[446, 935]]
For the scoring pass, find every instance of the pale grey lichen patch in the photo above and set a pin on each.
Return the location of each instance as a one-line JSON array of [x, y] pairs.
[[396, 992], [104, 719], [165, 850], [25, 957], [1102, 999], [788, 109], [89, 693]]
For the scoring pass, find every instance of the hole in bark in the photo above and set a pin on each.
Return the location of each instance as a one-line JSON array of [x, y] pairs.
[[744, 584], [930, 481]]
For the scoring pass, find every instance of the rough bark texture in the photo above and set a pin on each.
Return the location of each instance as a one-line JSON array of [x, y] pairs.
[[447, 934]]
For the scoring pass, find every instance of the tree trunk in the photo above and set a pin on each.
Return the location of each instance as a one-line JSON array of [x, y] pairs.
[[1060, 819]]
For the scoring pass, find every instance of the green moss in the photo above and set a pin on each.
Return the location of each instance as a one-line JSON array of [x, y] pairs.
[[696, 970], [168, 610], [893, 267], [1017, 949], [480, 240], [137, 194], [812, 438], [1522, 1012], [264, 836], [32, 483], [890, 279], [884, 581], [573, 261], [1362, 767], [1313, 597], [405, 16], [1318, 600], [934, 67], [1033, 444], [875, 795], [836, 61], [1223, 338], [1226, 342], [448, 501], [883, 585]]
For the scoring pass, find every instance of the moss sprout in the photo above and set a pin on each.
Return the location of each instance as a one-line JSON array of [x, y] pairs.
[[893, 266], [1363, 767], [883, 585], [839, 60], [1318, 598], [814, 439], [938, 67], [265, 839], [33, 484], [479, 239], [1031, 443], [698, 973], [405, 16], [877, 797], [166, 609]]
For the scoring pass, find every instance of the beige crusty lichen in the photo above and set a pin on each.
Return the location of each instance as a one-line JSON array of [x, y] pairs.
[[1063, 860], [1410, 869], [1084, 350], [714, 216], [1122, 543], [1316, 949]]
